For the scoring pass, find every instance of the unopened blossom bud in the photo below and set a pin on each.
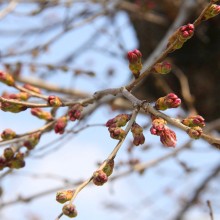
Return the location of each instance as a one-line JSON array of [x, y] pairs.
[[32, 141], [54, 101], [6, 78], [69, 210], [119, 121], [60, 125], [11, 107], [195, 132], [2, 163], [169, 101], [158, 125], [116, 133], [20, 96], [8, 153], [8, 134], [75, 112], [16, 163], [194, 121], [99, 177], [135, 64], [212, 11], [137, 132], [40, 113], [64, 196], [168, 137], [32, 88], [162, 68], [108, 169], [181, 36]]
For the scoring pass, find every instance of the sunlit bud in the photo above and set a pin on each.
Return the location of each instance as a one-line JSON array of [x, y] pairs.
[[212, 11], [195, 132], [99, 177], [135, 64], [40, 113], [64, 196], [32, 141], [169, 101], [11, 107], [193, 121], [116, 133], [75, 112], [168, 137], [54, 101], [6, 78], [2, 163], [162, 68], [69, 210], [108, 169], [181, 36], [60, 125], [8, 134], [119, 121], [32, 88], [8, 153]]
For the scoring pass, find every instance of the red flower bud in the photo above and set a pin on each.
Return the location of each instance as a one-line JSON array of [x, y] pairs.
[[162, 68], [212, 11], [169, 101], [60, 125], [119, 121], [137, 132], [64, 196], [69, 210], [135, 63], [40, 113], [54, 101], [193, 121], [168, 137], [116, 133], [75, 112], [158, 126], [195, 132], [32, 141], [6, 78], [8, 134], [11, 107], [99, 178]]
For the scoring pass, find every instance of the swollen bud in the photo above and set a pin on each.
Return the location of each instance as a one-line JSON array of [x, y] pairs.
[[108, 169], [169, 101], [54, 101], [168, 137], [162, 68], [6, 78], [60, 125], [75, 112], [64, 196], [195, 132], [69, 210], [137, 132], [41, 114], [11, 107], [212, 11], [8, 134], [8, 153], [99, 177], [194, 121], [32, 88], [32, 141]]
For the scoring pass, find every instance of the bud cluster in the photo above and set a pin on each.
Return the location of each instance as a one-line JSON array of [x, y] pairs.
[[114, 126], [6, 78], [12, 107], [60, 125], [183, 34], [75, 112], [11, 159], [163, 67], [167, 136], [41, 114], [169, 101], [196, 123], [212, 11], [32, 140], [135, 63], [137, 132]]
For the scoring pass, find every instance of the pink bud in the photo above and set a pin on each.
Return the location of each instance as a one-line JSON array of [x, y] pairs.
[[75, 112], [60, 125], [168, 137], [100, 177], [54, 101]]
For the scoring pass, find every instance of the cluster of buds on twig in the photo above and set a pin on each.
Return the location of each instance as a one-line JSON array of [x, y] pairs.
[[41, 114], [32, 140], [75, 112], [60, 125], [11, 159], [54, 101], [159, 128], [196, 123], [183, 34], [114, 126], [6, 78], [212, 11], [12, 107], [163, 67], [169, 101], [8, 134], [137, 132], [135, 63]]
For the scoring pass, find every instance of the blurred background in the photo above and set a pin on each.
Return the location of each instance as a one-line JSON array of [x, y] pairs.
[[73, 48]]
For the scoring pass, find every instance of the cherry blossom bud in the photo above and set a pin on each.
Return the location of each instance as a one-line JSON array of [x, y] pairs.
[[193, 121], [6, 78], [8, 134], [162, 68], [168, 137], [135, 63], [19, 96], [32, 141], [60, 125], [119, 121], [108, 169], [64, 196], [99, 177], [212, 12], [137, 132], [75, 112], [54, 101], [69, 210], [8, 153], [116, 133], [169, 101], [11, 107], [32, 88], [195, 132], [40, 113], [158, 125]]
